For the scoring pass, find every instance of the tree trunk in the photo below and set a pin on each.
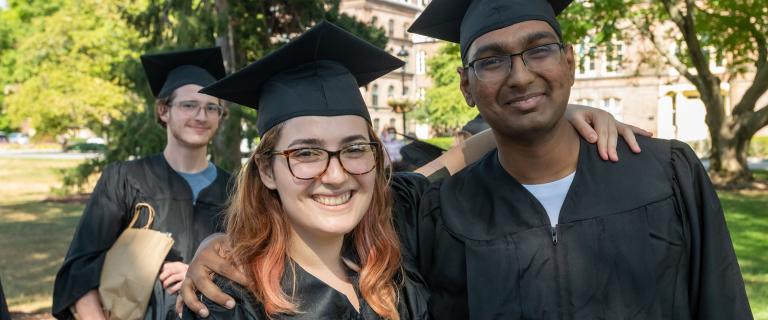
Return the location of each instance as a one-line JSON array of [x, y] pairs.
[[226, 144], [730, 141]]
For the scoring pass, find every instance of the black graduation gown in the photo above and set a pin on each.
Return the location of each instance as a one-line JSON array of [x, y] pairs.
[[644, 238], [317, 300], [121, 186]]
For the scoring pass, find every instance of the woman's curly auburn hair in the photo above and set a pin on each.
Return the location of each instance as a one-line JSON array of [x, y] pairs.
[[259, 233]]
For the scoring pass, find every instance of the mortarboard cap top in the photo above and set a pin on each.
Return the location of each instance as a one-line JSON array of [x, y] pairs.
[[463, 21], [317, 74], [168, 71]]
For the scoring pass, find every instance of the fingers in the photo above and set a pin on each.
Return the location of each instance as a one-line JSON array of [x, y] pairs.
[[585, 129], [212, 292], [174, 278], [189, 298], [612, 138], [602, 139], [179, 305], [229, 271], [639, 131], [628, 133], [175, 288], [582, 122]]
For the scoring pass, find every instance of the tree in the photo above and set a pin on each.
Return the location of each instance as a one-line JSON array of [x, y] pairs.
[[701, 30], [444, 108], [65, 67]]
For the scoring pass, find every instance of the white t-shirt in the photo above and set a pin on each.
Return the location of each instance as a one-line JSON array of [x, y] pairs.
[[551, 195]]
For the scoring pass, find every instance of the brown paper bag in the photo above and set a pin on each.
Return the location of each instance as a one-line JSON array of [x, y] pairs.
[[131, 267]]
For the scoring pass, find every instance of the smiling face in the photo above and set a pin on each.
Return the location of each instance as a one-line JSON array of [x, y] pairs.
[[333, 203], [526, 102], [195, 129]]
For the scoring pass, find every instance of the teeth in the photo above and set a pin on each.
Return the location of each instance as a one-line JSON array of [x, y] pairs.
[[333, 200]]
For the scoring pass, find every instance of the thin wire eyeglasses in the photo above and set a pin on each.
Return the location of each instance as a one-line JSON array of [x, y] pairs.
[[497, 67], [310, 163], [192, 108]]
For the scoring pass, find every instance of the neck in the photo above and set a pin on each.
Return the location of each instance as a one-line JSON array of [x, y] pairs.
[[540, 158], [315, 253], [187, 159]]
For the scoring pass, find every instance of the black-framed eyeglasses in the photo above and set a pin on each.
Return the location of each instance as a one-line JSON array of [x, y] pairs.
[[310, 163], [192, 108], [498, 67]]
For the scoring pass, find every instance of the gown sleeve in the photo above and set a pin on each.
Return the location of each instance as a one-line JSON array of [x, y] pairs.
[[100, 225], [407, 189], [716, 286]]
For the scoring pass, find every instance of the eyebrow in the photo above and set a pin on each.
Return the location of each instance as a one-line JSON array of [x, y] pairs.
[[497, 48], [318, 142]]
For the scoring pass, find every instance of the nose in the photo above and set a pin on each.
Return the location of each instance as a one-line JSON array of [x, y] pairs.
[[201, 115], [335, 174], [519, 75]]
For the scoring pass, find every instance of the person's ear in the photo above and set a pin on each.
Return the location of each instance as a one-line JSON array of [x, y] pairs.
[[163, 112], [464, 86], [267, 175]]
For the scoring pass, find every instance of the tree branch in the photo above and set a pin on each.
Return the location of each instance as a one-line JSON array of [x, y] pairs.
[[669, 58], [760, 83], [758, 120]]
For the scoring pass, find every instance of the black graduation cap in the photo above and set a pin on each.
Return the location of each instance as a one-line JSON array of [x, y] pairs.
[[463, 21], [317, 74], [170, 70]]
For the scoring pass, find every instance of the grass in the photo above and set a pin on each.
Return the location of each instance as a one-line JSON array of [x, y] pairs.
[[747, 218], [36, 234]]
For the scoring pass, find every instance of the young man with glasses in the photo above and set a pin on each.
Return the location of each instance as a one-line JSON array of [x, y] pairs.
[[544, 229], [186, 190]]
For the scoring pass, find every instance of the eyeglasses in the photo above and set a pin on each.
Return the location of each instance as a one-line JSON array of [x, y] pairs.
[[498, 67], [310, 163], [192, 108]]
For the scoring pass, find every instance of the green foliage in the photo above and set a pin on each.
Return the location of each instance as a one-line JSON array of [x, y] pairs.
[[758, 147], [442, 142], [67, 67], [444, 108]]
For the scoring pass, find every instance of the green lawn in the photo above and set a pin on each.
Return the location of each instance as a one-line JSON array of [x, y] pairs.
[[747, 216], [35, 234]]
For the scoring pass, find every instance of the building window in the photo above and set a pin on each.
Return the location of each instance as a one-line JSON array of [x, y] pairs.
[[586, 102], [392, 122], [422, 93], [391, 91], [614, 54], [613, 106], [374, 20], [375, 95], [391, 31], [376, 124], [406, 91], [586, 51], [421, 62]]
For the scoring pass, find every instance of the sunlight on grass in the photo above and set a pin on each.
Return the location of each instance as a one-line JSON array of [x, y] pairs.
[[747, 219]]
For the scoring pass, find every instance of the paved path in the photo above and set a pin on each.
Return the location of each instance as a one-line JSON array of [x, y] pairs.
[[46, 154]]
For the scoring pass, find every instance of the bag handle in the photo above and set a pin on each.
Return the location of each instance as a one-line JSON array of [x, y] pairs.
[[137, 213]]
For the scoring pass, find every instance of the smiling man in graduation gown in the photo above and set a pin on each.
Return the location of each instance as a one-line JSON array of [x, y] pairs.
[[542, 228], [186, 190]]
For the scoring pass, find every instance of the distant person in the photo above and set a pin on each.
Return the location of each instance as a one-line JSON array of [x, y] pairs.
[[187, 191], [392, 144]]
